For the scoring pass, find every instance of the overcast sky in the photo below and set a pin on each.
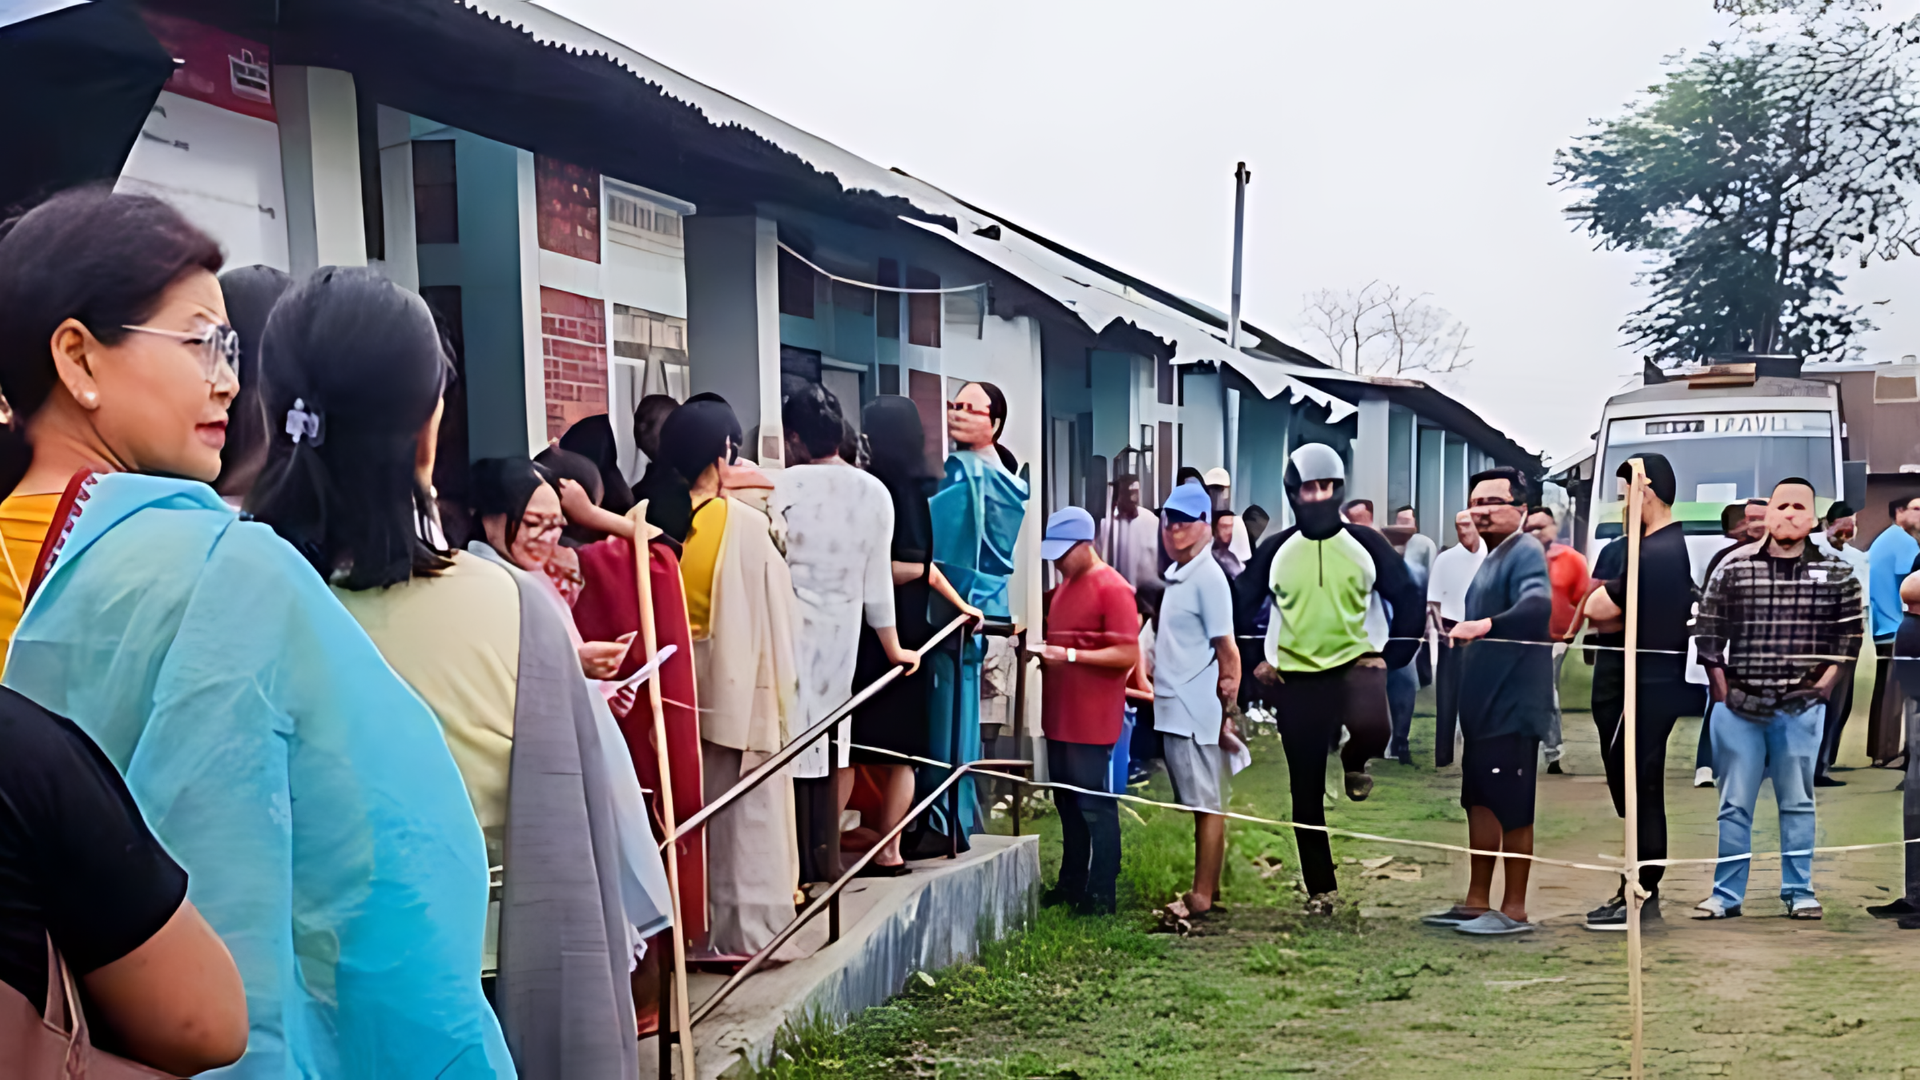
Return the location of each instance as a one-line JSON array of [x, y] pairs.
[[1403, 140]]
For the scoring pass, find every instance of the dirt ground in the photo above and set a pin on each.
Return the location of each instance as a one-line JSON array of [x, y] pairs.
[[1260, 990], [1756, 996]]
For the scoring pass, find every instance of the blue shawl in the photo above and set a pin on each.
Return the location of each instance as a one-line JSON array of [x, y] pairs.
[[976, 519], [308, 793]]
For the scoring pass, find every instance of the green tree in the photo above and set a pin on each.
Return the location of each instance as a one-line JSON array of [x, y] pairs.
[[1750, 173]]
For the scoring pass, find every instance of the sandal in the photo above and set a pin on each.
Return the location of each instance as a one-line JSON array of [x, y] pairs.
[[1453, 916]]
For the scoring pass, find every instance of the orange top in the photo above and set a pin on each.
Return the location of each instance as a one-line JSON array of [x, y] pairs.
[[24, 521]]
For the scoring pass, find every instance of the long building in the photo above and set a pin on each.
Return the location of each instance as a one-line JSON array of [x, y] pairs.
[[595, 226]]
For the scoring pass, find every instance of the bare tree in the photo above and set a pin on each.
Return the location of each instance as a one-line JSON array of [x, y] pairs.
[[1379, 329]]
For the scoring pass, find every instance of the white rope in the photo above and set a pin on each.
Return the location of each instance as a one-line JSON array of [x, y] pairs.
[[1618, 869], [830, 276]]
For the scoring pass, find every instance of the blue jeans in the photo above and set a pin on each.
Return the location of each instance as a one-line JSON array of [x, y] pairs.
[[1403, 683], [1784, 746]]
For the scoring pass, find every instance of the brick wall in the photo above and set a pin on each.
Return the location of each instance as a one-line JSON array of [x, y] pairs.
[[573, 340], [569, 197]]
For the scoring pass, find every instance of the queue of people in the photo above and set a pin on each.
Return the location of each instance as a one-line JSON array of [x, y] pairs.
[[368, 802]]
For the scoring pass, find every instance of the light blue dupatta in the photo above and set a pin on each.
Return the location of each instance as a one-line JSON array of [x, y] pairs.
[[976, 520], [307, 791]]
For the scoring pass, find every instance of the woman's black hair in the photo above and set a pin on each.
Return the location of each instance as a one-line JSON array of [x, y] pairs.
[[504, 485], [251, 292], [85, 254], [812, 413], [702, 431], [567, 465], [849, 442], [357, 369], [591, 437], [896, 440], [997, 413]]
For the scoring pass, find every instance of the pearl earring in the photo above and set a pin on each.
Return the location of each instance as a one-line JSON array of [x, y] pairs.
[[89, 395]]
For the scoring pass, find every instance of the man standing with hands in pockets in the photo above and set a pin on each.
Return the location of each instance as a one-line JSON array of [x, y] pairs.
[[1196, 674]]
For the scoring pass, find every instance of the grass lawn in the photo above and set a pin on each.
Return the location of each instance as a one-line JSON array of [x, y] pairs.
[[1260, 990]]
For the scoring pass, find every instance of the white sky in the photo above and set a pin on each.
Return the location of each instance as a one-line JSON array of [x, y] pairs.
[[1400, 139]]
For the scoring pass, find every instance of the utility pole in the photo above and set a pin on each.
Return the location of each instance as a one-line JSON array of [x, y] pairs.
[[1230, 399], [1241, 178]]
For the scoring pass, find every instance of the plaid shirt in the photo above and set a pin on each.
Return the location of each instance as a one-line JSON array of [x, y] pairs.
[[1772, 625]]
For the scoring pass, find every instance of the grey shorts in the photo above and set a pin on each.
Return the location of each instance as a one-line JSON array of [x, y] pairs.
[[1199, 773]]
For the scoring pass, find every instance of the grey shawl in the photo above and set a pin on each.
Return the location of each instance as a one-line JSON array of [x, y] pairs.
[[563, 994]]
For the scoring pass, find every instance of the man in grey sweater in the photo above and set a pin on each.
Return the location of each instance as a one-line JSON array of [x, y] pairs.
[[1506, 701]]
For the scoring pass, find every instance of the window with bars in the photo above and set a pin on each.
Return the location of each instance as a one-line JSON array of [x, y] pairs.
[[628, 214]]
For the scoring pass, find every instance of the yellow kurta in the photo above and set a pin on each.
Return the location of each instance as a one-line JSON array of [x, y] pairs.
[[24, 520], [699, 556], [455, 639]]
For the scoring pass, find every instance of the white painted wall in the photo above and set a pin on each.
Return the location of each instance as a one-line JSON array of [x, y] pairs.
[[320, 159], [533, 358], [219, 168]]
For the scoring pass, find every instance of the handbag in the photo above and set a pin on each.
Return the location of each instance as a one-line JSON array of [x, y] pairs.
[[54, 1045]]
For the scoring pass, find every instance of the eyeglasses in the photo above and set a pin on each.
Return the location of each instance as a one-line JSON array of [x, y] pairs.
[[219, 344], [961, 406], [1489, 501]]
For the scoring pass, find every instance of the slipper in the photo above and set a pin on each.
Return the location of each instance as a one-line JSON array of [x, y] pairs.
[[1453, 916], [1707, 909], [1494, 924], [882, 870]]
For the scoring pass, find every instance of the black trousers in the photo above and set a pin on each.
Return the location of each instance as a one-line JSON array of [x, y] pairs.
[[1660, 706], [1446, 695], [1089, 825], [1838, 706], [1311, 708]]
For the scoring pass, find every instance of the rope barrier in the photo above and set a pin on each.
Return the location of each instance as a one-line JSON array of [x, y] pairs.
[[1619, 868]]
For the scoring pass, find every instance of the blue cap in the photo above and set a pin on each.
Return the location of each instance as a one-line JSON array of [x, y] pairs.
[[1065, 529], [1190, 500]]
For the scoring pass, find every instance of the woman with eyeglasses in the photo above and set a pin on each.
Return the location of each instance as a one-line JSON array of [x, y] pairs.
[[302, 786], [976, 519], [358, 382]]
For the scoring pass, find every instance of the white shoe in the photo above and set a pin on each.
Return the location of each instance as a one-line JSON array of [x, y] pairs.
[[1703, 777]]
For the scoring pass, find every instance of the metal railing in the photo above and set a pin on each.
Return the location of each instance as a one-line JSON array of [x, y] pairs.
[[802, 741], [829, 899]]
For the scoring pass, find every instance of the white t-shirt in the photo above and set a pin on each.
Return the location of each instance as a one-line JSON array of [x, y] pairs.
[[1453, 571]]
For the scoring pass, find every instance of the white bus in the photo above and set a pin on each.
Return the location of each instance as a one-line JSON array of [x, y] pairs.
[[1730, 435]]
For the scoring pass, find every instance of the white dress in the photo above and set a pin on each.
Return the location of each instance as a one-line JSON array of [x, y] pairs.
[[839, 522]]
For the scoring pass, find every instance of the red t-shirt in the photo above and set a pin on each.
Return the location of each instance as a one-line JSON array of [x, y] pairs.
[[1568, 572], [1080, 703]]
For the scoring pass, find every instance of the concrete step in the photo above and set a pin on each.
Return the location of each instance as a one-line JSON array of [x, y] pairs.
[[939, 915]]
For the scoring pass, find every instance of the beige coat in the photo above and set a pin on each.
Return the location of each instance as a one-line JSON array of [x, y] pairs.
[[749, 682]]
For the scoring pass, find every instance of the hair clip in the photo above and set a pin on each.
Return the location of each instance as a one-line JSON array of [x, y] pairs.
[[302, 424]]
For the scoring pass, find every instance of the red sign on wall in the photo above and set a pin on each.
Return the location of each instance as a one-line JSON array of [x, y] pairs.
[[220, 68], [569, 199]]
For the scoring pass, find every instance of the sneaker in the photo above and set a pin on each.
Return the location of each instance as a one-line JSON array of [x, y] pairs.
[[1359, 786], [1703, 777], [1806, 908], [1828, 781], [1323, 903], [1901, 908], [1612, 915], [1494, 924], [1711, 909], [1909, 922], [1554, 769]]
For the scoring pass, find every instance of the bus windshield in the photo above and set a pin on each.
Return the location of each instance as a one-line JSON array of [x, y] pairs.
[[1719, 459]]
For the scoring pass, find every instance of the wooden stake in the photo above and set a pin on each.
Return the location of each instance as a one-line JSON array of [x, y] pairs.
[[643, 567], [1629, 720]]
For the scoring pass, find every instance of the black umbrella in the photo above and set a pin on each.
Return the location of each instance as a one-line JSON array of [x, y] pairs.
[[77, 85]]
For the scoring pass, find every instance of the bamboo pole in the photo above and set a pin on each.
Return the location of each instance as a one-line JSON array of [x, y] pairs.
[[1629, 720], [642, 566]]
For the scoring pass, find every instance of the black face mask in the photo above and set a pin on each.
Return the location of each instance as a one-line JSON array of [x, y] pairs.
[[1318, 520]]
